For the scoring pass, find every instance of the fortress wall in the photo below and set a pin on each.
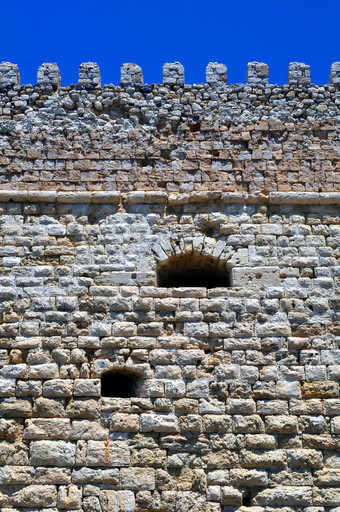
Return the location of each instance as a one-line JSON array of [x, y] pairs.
[[231, 394], [177, 137]]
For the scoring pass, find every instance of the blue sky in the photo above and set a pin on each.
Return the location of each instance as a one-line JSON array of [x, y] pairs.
[[151, 32]]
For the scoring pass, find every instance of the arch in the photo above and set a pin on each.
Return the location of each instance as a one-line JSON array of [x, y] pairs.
[[191, 270], [119, 384], [193, 262]]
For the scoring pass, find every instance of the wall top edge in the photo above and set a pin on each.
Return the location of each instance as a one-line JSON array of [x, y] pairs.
[[173, 74], [146, 197]]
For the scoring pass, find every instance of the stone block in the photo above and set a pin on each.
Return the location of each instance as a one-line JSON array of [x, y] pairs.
[[52, 453], [69, 497], [108, 453], [285, 496], [250, 277], [46, 428], [158, 423], [35, 496], [138, 479]]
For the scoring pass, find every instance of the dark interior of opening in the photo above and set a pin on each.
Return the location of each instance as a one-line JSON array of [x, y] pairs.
[[119, 384], [190, 270]]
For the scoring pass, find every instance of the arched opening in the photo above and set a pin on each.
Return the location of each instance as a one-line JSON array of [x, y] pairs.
[[192, 269], [119, 384]]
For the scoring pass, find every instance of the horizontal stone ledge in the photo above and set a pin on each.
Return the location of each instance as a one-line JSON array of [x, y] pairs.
[[162, 197]]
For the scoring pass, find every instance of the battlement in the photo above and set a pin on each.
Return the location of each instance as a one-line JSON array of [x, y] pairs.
[[131, 75]]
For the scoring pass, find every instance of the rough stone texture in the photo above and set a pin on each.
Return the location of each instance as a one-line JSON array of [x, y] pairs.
[[49, 74], [131, 74], [216, 73], [299, 73], [257, 73], [89, 75], [235, 398]]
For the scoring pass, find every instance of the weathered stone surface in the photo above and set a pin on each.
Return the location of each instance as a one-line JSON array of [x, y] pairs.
[[169, 310]]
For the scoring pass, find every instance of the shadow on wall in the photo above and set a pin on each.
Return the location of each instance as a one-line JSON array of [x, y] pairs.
[[191, 270]]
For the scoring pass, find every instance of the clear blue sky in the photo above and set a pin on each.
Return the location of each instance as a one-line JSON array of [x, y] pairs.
[[151, 32]]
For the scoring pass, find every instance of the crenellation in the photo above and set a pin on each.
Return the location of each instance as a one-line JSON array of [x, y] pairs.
[[89, 75], [131, 75], [257, 73], [173, 74], [9, 75], [169, 293], [49, 74], [216, 73], [298, 73]]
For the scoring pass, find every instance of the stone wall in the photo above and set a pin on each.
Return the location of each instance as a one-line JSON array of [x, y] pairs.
[[235, 404]]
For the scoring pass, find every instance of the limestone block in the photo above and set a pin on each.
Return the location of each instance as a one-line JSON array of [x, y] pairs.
[[13, 453], [58, 387], [173, 74], [49, 74], [43, 371], [334, 77], [327, 477], [281, 424], [257, 73], [248, 477], [96, 476], [48, 408], [326, 497], [285, 496], [216, 73], [44, 428], [16, 475], [9, 74], [35, 496], [107, 453], [122, 422], [87, 387], [89, 75], [298, 73], [16, 408], [69, 497], [85, 429], [335, 425], [52, 453], [117, 501], [255, 276], [57, 476], [138, 478], [272, 459], [304, 458], [198, 389], [231, 496], [7, 387], [158, 423], [131, 75]]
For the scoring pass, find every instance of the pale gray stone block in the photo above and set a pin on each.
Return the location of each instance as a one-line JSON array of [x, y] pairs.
[[52, 453], [49, 74], [112, 453], [35, 496], [58, 387], [47, 428], [87, 387], [159, 423], [298, 73], [7, 387], [255, 276], [138, 478]]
